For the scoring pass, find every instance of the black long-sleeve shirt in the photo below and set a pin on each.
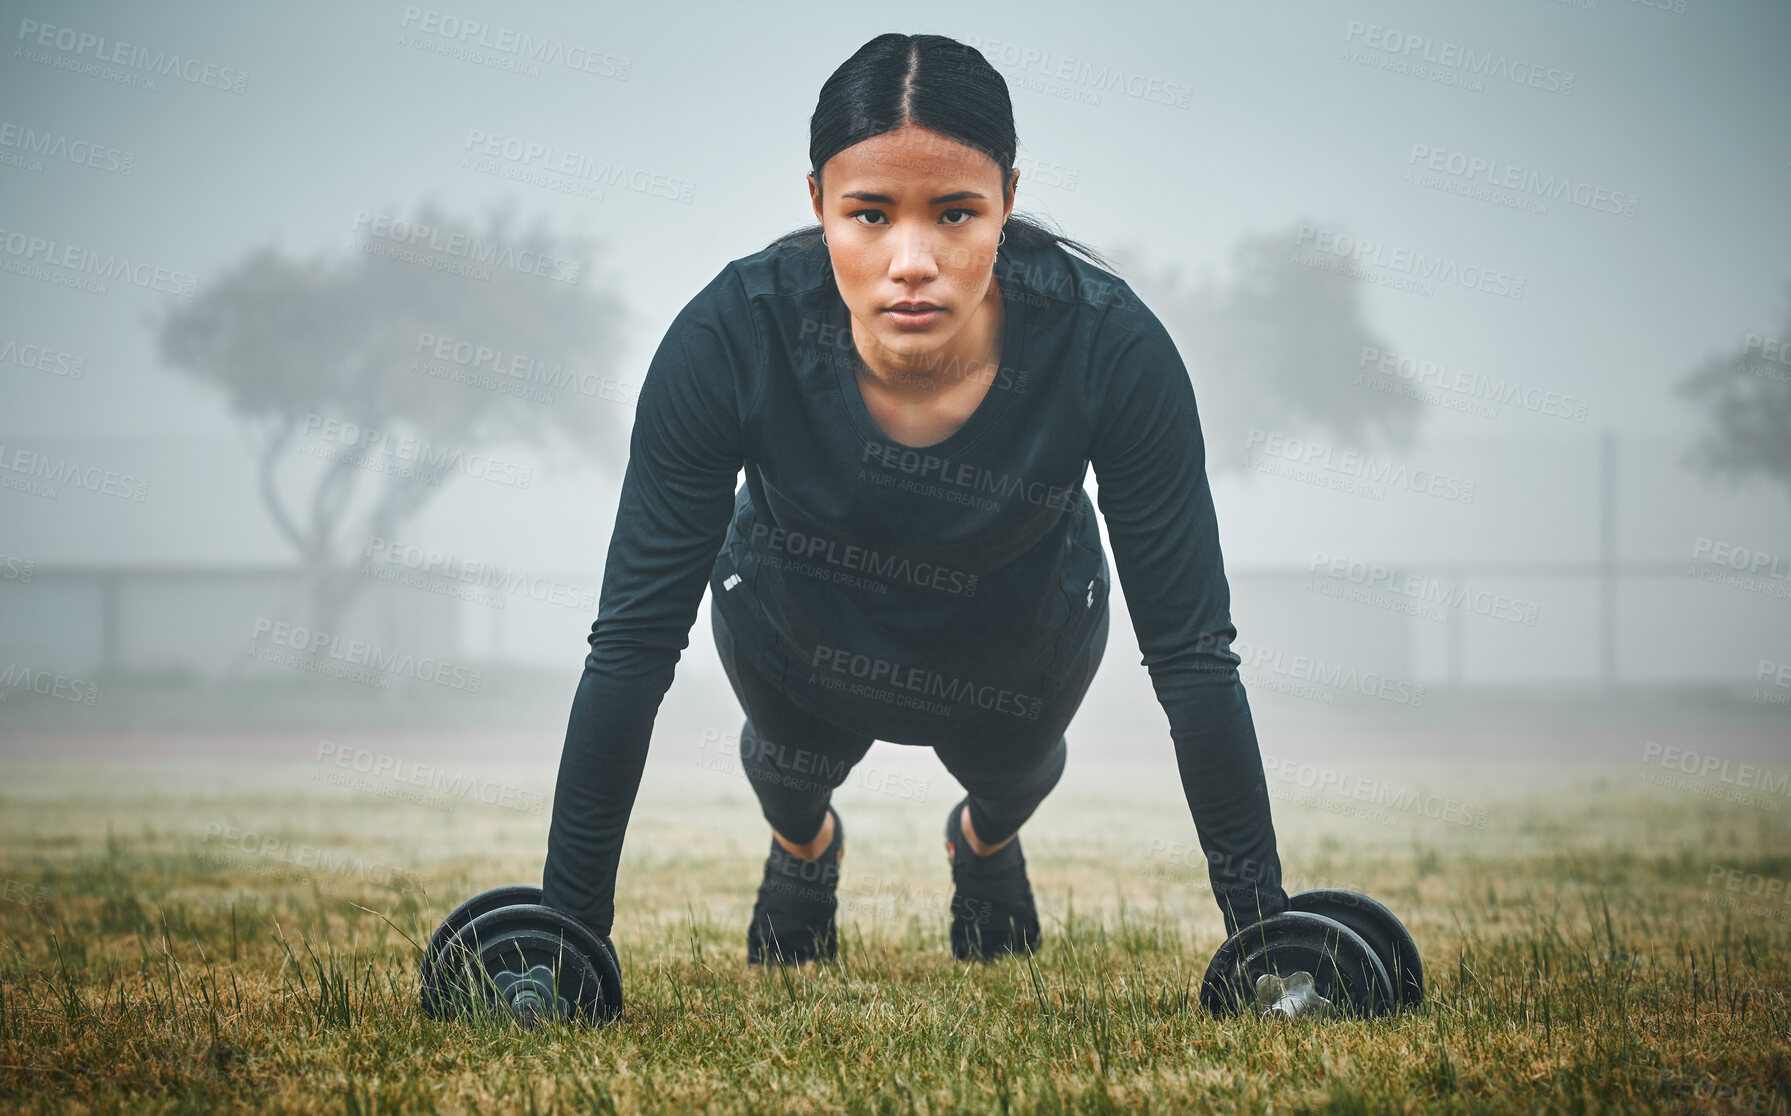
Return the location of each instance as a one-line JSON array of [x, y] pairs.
[[938, 589]]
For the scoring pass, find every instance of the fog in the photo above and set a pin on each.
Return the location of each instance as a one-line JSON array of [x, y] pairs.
[[1606, 184]]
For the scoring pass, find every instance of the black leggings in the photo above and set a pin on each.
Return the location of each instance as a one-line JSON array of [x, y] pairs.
[[795, 760]]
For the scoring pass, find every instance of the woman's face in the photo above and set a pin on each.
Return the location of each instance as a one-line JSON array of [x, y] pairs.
[[912, 216]]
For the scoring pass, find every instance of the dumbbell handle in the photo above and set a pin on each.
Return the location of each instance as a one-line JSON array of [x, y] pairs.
[[1291, 996]]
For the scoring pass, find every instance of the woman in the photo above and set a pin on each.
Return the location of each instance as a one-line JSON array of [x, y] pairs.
[[915, 389]]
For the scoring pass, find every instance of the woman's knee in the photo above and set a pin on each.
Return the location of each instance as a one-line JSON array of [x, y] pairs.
[[1004, 788], [803, 765]]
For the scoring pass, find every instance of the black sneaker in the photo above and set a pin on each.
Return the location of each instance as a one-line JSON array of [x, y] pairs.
[[991, 904], [793, 920]]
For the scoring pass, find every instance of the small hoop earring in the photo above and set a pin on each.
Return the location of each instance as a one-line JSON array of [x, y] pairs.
[[1003, 239], [823, 238]]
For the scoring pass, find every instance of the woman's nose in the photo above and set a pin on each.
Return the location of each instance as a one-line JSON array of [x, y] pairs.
[[912, 257]]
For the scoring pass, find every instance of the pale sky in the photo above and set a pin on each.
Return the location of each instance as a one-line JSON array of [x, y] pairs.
[[1296, 110]]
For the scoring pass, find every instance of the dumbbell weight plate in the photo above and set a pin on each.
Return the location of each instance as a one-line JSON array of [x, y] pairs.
[[1344, 968], [508, 896], [1380, 928], [531, 961]]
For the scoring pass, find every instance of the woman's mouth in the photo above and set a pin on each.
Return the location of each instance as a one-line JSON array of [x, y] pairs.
[[914, 317]]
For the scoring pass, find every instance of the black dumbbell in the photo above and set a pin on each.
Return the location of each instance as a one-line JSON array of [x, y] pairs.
[[503, 952], [1358, 956], [1391, 942]]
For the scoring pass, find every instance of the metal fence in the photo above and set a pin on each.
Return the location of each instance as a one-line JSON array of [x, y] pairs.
[[1661, 604], [1592, 624]]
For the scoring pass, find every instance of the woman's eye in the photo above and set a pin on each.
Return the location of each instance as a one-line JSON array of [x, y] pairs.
[[967, 214]]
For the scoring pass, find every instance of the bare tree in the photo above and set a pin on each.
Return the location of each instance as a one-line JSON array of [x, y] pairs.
[[454, 337], [1746, 392], [1279, 346]]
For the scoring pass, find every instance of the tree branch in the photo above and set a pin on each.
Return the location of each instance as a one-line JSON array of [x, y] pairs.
[[273, 447]]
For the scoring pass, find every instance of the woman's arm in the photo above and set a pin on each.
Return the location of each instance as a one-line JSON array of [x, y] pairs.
[[677, 499], [1149, 461]]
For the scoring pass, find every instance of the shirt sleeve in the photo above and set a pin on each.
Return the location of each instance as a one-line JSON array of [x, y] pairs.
[[676, 502], [1150, 464]]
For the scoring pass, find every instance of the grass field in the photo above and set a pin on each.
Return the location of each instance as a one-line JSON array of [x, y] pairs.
[[221, 938]]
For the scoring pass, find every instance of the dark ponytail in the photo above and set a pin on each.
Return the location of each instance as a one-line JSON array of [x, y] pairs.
[[936, 83]]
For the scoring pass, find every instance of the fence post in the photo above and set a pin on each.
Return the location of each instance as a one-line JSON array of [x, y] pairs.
[[109, 589], [1453, 623], [1607, 558]]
